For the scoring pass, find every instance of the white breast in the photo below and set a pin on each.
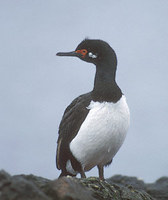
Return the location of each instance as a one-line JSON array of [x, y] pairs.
[[101, 134]]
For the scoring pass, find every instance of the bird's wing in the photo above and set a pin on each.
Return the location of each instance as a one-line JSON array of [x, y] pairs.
[[71, 121]]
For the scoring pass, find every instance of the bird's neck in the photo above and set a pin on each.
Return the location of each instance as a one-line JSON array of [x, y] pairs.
[[105, 86]]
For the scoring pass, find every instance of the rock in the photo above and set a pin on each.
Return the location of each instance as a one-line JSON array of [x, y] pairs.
[[18, 188], [159, 189], [105, 191], [127, 181], [30, 187], [69, 188]]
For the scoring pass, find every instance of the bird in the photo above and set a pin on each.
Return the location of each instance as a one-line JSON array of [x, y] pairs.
[[95, 124]]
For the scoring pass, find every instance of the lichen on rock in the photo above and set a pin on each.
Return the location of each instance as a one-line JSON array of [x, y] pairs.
[[30, 187]]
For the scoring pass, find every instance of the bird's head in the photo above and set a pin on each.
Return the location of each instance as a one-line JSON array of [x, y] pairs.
[[93, 51]]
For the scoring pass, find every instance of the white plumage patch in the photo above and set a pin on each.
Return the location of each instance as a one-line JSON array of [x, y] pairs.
[[69, 168], [92, 55], [101, 134]]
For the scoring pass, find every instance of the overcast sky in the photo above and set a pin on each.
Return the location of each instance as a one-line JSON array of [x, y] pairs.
[[36, 86]]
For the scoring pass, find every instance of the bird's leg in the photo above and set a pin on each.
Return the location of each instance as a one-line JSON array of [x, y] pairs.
[[82, 173], [101, 172]]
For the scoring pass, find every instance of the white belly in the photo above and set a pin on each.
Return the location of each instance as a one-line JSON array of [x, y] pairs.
[[101, 134]]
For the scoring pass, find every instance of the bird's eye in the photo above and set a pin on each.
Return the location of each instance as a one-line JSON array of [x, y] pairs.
[[83, 52]]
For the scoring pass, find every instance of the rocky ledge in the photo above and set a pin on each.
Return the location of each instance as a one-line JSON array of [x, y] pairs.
[[30, 187]]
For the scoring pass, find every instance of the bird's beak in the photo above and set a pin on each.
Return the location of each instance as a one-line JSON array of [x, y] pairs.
[[72, 53]]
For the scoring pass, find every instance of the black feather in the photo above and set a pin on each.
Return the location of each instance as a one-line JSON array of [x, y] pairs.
[[72, 119]]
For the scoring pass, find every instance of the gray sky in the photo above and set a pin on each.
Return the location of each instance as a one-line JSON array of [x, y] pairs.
[[36, 86]]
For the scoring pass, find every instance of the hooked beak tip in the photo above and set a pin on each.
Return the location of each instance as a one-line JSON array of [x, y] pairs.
[[58, 54]]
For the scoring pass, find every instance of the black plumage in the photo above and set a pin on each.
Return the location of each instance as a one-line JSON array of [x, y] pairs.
[[70, 124], [105, 89]]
